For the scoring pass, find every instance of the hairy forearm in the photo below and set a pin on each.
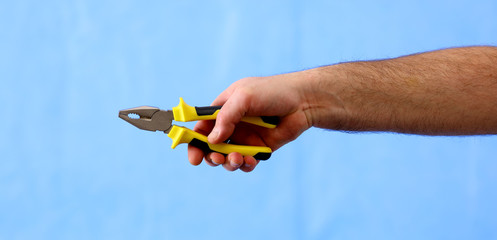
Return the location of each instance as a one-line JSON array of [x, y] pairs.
[[445, 92]]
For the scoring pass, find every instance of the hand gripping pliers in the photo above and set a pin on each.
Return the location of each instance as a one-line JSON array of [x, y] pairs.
[[155, 119]]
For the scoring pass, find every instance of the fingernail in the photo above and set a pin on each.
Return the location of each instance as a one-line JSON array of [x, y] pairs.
[[213, 135], [232, 163], [208, 158], [213, 161], [235, 165]]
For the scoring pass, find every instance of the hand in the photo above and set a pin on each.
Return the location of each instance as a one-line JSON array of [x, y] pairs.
[[279, 95]]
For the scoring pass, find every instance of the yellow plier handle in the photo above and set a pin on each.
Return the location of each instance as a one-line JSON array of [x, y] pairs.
[[186, 113], [184, 135]]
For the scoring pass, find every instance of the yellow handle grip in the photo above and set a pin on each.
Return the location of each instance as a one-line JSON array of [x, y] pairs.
[[184, 135], [185, 113]]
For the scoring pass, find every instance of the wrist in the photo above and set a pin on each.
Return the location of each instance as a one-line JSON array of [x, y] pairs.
[[321, 91]]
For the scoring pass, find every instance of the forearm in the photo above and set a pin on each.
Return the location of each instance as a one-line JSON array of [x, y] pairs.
[[446, 92]]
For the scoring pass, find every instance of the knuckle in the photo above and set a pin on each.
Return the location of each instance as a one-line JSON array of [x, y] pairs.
[[246, 80], [245, 94]]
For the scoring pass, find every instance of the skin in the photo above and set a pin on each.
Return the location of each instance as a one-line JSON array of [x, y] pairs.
[[444, 92]]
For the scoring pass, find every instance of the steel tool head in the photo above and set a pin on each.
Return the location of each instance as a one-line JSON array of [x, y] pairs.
[[148, 118]]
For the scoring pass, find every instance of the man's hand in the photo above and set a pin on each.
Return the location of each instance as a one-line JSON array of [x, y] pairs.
[[262, 96]]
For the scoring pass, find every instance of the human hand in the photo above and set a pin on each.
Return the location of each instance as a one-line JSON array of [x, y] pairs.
[[280, 95]]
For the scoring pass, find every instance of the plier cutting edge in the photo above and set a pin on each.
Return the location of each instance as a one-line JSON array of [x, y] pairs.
[[155, 119]]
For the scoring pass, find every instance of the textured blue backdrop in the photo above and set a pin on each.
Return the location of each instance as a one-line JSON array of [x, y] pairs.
[[71, 169]]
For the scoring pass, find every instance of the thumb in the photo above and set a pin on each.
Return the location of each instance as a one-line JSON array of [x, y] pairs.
[[230, 114]]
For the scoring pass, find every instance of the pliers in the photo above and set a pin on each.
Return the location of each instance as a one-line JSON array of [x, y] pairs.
[[155, 119]]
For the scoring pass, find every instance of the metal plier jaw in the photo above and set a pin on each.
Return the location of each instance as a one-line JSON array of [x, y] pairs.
[[154, 119], [148, 118]]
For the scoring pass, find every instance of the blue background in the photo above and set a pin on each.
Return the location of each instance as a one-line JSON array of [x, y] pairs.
[[71, 169]]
